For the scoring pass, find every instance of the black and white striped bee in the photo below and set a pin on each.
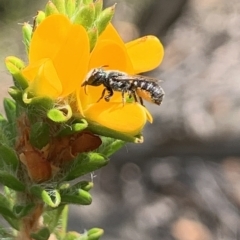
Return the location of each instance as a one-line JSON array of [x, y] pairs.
[[139, 87]]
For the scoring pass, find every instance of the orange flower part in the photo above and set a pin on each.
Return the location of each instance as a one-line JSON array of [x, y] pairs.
[[58, 57], [111, 53]]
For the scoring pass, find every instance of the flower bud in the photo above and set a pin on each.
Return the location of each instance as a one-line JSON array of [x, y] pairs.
[[93, 36], [50, 9], [27, 35], [85, 16], [60, 5], [70, 7], [98, 7], [104, 18]]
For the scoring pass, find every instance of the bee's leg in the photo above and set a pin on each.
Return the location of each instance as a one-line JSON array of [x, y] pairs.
[[137, 99], [123, 98], [103, 93], [141, 101], [110, 94]]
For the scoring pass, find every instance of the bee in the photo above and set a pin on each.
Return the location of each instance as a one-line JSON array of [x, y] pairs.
[[139, 87]]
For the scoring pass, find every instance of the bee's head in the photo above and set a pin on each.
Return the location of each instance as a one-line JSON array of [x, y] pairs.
[[95, 77]]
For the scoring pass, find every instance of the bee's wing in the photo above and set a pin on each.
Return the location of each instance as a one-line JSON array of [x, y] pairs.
[[137, 77]]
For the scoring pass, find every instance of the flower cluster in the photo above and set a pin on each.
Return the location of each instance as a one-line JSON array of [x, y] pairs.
[[62, 52], [55, 129]]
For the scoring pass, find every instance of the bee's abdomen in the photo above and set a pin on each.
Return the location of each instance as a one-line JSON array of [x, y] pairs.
[[149, 91]]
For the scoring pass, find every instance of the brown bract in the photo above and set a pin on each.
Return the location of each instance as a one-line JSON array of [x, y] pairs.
[[43, 164]]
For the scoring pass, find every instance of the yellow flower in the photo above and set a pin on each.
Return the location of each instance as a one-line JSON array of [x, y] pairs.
[[58, 57], [140, 55]]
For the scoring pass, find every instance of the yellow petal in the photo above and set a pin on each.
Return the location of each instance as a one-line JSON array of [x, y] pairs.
[[49, 37], [71, 61], [128, 118], [110, 54], [146, 53], [46, 82], [111, 33], [31, 70]]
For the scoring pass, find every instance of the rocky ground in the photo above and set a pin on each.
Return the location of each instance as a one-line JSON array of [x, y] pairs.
[[182, 183]]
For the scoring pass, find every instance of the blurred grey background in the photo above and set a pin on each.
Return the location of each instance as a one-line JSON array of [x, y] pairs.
[[183, 182]]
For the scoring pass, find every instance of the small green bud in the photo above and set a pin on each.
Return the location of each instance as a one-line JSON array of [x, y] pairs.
[[40, 17], [50, 9], [105, 18], [14, 66], [60, 5], [85, 16], [93, 36], [16, 94], [70, 7], [98, 7], [27, 35], [84, 185], [95, 233], [78, 197], [62, 114], [79, 3]]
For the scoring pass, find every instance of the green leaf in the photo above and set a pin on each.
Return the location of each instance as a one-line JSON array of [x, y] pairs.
[[39, 134], [110, 146], [77, 197], [5, 207], [57, 218], [51, 197], [74, 128], [8, 159], [10, 109], [107, 132], [21, 211], [85, 16], [11, 181], [6, 211], [60, 115], [85, 163], [6, 234], [42, 234]]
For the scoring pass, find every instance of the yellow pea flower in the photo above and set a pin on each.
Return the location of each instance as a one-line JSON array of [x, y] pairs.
[[58, 57], [140, 55]]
